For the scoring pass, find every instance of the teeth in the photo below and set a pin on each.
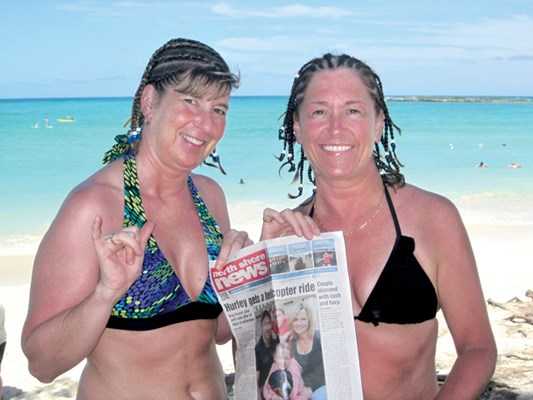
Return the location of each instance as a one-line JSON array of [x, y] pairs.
[[336, 148], [192, 140]]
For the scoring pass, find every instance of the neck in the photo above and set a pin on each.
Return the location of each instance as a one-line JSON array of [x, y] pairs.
[[350, 208], [156, 178]]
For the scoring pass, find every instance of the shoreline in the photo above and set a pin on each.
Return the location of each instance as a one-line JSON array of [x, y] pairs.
[[502, 251]]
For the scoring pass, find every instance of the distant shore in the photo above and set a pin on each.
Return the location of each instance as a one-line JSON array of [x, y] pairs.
[[414, 98], [462, 99]]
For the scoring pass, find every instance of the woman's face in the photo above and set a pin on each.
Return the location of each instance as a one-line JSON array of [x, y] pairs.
[[300, 324], [337, 124], [183, 130]]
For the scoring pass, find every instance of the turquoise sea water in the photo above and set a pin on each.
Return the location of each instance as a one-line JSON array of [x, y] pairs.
[[440, 146]]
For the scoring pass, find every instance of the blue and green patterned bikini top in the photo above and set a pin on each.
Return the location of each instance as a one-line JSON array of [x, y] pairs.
[[157, 298]]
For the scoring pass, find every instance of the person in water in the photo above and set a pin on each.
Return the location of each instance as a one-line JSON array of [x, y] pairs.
[[408, 252], [121, 277]]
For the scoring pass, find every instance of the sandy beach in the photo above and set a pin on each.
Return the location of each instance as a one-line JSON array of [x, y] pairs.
[[504, 254]]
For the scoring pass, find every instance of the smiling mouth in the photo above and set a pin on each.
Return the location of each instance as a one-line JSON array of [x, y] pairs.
[[336, 148], [192, 140]]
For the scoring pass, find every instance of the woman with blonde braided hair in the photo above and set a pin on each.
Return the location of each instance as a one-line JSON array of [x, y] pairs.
[[121, 277], [338, 115]]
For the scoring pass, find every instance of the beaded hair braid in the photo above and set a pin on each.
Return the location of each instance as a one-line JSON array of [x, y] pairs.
[[389, 167], [185, 65]]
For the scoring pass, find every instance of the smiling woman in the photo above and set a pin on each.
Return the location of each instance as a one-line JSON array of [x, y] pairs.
[[338, 115], [155, 225]]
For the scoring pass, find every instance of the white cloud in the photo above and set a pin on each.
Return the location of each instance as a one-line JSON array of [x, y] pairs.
[[289, 11]]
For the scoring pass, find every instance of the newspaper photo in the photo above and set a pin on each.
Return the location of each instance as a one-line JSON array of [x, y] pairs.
[[288, 303]]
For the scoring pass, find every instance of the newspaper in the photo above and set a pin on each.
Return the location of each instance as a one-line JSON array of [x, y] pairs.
[[280, 290]]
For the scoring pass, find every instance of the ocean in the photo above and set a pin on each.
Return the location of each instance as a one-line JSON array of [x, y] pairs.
[[440, 146]]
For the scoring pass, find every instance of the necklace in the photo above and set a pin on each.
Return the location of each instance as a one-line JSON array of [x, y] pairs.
[[358, 228]]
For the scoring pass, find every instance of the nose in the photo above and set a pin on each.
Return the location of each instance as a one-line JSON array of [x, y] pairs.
[[204, 120], [336, 123]]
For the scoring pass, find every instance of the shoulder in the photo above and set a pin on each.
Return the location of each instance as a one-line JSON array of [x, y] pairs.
[[100, 194], [433, 220], [98, 191], [412, 202], [207, 187]]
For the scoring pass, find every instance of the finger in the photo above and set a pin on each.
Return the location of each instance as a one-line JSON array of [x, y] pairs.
[[97, 232], [225, 249], [146, 231], [129, 236], [292, 219], [270, 215], [241, 241], [308, 226], [129, 255], [233, 241]]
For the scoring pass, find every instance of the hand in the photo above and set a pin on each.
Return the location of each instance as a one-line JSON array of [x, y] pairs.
[[306, 392], [233, 241], [286, 223], [120, 256]]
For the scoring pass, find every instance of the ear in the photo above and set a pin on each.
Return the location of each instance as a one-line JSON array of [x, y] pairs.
[[148, 101], [378, 129], [296, 128]]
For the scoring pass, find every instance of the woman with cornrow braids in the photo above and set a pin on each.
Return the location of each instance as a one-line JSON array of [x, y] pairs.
[[338, 116], [121, 277]]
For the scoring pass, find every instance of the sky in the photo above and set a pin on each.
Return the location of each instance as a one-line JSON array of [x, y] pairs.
[[55, 48]]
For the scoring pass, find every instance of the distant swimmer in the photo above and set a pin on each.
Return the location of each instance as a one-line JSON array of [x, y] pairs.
[[36, 125], [504, 144], [515, 165], [482, 165], [451, 146], [241, 181]]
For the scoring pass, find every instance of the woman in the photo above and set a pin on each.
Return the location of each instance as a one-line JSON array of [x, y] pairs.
[[337, 113], [306, 348], [137, 302]]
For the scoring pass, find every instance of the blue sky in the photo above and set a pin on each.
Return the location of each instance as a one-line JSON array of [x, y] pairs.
[[100, 48]]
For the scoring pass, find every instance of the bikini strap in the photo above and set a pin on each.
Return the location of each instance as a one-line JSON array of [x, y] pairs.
[[391, 208], [393, 212]]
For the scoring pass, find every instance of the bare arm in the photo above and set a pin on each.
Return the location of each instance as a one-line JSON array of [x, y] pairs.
[[464, 308], [78, 276]]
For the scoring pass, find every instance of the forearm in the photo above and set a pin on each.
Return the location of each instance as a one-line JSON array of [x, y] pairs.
[[469, 375], [65, 340]]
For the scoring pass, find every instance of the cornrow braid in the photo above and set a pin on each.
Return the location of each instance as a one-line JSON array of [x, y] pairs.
[[186, 65], [389, 165]]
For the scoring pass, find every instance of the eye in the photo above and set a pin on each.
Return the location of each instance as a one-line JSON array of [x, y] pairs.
[[318, 112], [220, 111], [353, 111], [189, 100]]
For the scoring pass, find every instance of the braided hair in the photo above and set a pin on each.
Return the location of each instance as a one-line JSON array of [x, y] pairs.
[[186, 65], [389, 166]]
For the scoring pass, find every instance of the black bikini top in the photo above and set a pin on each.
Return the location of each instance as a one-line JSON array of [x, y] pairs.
[[403, 293]]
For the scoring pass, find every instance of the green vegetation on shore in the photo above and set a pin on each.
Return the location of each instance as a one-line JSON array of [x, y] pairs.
[[462, 99]]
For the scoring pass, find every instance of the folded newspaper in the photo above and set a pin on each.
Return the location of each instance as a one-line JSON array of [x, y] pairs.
[[289, 306]]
